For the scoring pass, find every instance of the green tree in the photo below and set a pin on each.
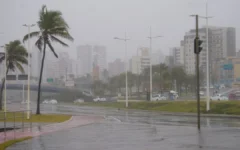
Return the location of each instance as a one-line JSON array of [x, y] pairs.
[[179, 75], [16, 57], [51, 26]]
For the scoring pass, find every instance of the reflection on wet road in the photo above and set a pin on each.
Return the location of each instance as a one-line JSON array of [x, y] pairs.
[[136, 130]]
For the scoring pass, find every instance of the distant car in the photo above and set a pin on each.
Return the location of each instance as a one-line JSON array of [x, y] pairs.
[[222, 86], [53, 101], [78, 101], [98, 99], [25, 102], [201, 93], [158, 97], [219, 97], [45, 101]]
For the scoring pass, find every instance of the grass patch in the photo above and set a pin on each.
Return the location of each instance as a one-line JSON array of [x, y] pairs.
[[225, 107], [43, 118], [6, 144]]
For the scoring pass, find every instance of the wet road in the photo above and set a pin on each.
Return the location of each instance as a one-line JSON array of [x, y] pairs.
[[137, 130]]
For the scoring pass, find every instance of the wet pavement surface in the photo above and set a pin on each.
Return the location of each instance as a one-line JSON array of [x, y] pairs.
[[137, 130]]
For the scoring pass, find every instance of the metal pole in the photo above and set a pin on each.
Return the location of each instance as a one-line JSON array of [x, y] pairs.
[[126, 69], [207, 75], [23, 97], [197, 73], [150, 63], [28, 92], [5, 83]]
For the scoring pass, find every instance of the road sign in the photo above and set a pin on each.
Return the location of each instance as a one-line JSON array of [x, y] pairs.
[[22, 77], [228, 66], [11, 77], [50, 80]]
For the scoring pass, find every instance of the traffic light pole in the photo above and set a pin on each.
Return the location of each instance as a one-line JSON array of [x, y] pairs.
[[197, 74]]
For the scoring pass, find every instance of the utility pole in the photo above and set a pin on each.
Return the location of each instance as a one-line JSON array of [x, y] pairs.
[[197, 72], [197, 50]]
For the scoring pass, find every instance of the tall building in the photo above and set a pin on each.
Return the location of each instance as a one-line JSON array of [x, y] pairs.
[[221, 44], [138, 63], [189, 55], [177, 53], [157, 57], [116, 67], [99, 60], [84, 58]]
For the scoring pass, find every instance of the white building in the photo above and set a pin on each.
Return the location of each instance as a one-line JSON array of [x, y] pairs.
[[84, 59], [177, 54], [100, 58], [222, 44], [138, 63]]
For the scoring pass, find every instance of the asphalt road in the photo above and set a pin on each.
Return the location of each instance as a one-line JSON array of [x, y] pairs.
[[137, 130]]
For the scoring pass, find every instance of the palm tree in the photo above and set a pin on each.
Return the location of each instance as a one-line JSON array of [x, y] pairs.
[[16, 56], [52, 26]]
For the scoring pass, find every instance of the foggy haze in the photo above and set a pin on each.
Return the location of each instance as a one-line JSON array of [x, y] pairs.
[[98, 21]]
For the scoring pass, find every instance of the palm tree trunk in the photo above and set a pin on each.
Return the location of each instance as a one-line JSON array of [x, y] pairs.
[[3, 82], [40, 81]]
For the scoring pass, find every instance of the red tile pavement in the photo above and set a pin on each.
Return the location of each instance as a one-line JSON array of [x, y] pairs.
[[41, 130]]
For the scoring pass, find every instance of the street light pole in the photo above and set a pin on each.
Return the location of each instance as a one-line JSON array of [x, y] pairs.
[[150, 61], [207, 66], [126, 64], [29, 53], [5, 83]]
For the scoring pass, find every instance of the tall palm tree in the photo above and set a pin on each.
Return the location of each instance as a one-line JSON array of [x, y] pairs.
[[53, 28], [16, 56]]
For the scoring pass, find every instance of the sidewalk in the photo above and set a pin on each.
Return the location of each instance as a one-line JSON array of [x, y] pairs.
[[41, 130]]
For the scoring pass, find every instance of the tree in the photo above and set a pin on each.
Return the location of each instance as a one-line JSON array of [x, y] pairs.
[[52, 26], [16, 56]]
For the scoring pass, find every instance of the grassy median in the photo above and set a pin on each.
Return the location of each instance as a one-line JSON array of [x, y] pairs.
[[43, 118], [6, 144], [227, 107]]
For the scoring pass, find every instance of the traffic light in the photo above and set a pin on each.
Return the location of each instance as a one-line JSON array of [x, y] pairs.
[[197, 45]]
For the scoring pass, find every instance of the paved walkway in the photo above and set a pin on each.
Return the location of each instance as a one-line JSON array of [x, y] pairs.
[[75, 121]]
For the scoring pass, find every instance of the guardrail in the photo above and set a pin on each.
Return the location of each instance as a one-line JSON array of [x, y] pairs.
[[15, 120]]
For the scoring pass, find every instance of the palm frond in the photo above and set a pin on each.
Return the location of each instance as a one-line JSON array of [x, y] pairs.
[[52, 49], [39, 43], [20, 67], [54, 39], [33, 34], [64, 34]]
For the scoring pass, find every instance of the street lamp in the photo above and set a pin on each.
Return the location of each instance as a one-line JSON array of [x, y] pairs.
[[5, 87], [126, 64], [150, 56], [207, 72], [29, 52]]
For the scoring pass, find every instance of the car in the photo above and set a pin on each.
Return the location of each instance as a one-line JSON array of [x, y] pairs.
[[201, 93], [78, 101], [25, 102], [98, 99], [158, 97], [219, 97], [53, 101], [45, 101]]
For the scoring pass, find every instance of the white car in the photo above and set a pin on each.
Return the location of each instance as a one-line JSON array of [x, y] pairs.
[[53, 101], [78, 101], [25, 102], [219, 97], [45, 101], [158, 97], [98, 99]]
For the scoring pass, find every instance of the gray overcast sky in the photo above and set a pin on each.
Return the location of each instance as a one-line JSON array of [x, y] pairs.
[[98, 21]]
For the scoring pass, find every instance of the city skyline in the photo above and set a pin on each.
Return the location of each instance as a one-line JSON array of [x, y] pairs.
[[98, 27]]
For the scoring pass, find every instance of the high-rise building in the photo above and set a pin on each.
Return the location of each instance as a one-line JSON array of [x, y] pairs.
[[177, 54], [221, 44], [84, 59], [116, 67], [138, 63], [99, 60]]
